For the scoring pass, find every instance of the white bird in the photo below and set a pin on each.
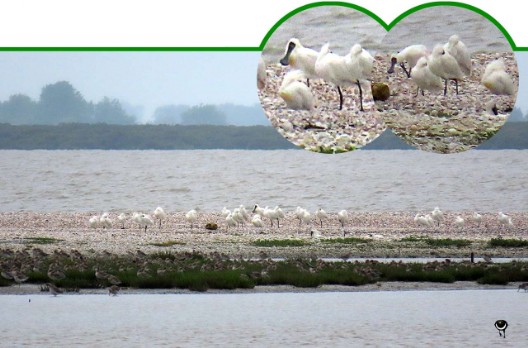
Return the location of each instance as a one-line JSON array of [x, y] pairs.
[[437, 215], [295, 93], [306, 217], [121, 218], [145, 220], [320, 214], [300, 57], [136, 217], [315, 233], [299, 214], [459, 222], [230, 221], [505, 220], [496, 79], [344, 70], [159, 214], [225, 212], [274, 214], [424, 220], [105, 221], [244, 212], [459, 51], [94, 221], [411, 55], [261, 74], [445, 65], [476, 218], [258, 210], [424, 78], [191, 217], [257, 221], [342, 216]]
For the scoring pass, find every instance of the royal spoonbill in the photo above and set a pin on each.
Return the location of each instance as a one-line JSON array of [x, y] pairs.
[[437, 215], [300, 57], [321, 214], [296, 93], [261, 74], [459, 222], [424, 78], [191, 217], [496, 79], [445, 65], [159, 214], [342, 216], [459, 51], [411, 55]]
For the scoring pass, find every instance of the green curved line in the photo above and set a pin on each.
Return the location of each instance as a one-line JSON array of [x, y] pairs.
[[457, 4], [396, 20]]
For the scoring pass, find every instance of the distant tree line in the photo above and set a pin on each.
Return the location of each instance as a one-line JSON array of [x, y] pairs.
[[139, 137], [59, 103], [179, 137]]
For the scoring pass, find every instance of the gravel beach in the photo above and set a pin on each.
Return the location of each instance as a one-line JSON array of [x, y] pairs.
[[23, 230]]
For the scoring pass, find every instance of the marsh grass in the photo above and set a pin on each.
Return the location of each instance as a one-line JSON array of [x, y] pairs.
[[507, 243], [42, 240], [349, 240], [168, 243], [438, 242], [279, 243], [200, 272]]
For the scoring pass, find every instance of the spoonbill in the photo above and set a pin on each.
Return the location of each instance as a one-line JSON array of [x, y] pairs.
[[459, 51], [437, 215], [145, 221], [320, 214], [424, 220], [295, 93], [257, 221], [505, 220], [261, 74], [105, 221], [300, 57], [342, 216], [411, 55], [121, 218], [445, 65], [496, 79], [94, 221], [191, 217], [344, 70], [424, 78], [459, 222], [476, 218], [159, 214]]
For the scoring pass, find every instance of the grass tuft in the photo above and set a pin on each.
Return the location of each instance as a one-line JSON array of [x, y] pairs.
[[508, 243], [279, 243]]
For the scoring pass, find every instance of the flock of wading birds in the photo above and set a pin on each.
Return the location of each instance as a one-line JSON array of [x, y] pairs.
[[240, 217], [430, 71]]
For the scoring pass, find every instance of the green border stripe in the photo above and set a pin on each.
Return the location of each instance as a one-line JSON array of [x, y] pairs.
[[274, 27]]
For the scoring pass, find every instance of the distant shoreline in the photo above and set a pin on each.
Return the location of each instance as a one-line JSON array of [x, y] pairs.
[[178, 137]]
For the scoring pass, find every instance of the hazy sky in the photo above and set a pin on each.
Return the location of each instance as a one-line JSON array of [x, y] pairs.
[[152, 79]]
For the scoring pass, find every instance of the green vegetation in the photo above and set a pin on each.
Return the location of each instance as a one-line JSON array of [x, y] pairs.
[[437, 243], [167, 243], [279, 243], [508, 243], [200, 272], [42, 240], [139, 137], [349, 240]]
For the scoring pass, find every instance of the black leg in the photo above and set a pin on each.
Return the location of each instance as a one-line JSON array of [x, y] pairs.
[[456, 85], [360, 96], [445, 87], [340, 98], [308, 82]]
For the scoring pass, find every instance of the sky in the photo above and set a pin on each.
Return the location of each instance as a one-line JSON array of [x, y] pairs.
[[149, 79], [152, 79]]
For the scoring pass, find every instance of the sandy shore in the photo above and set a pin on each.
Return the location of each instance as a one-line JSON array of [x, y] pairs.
[[23, 230], [34, 289]]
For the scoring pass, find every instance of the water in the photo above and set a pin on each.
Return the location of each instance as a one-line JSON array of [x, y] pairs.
[[48, 181], [459, 318], [342, 27]]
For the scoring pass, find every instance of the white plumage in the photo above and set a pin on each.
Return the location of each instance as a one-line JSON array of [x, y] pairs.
[[459, 222], [261, 74], [191, 217], [296, 93], [300, 57], [496, 79], [411, 55], [424, 78], [445, 65], [459, 51], [342, 216], [320, 215]]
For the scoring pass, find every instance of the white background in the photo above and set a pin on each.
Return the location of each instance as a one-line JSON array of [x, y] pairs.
[[152, 23]]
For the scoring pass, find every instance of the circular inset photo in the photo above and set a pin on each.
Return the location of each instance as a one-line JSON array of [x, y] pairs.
[[315, 79], [452, 76]]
